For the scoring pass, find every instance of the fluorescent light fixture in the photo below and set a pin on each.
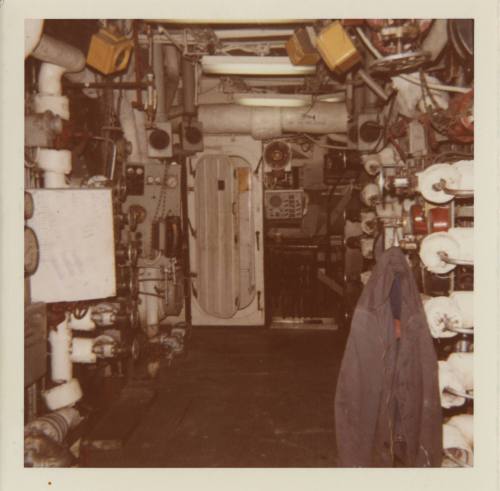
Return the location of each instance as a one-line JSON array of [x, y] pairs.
[[253, 65], [273, 100], [336, 97]]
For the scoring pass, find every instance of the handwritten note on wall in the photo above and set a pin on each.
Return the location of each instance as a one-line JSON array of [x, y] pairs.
[[75, 234]]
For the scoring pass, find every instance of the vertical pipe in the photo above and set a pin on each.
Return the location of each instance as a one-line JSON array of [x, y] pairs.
[[172, 70], [158, 69], [188, 87]]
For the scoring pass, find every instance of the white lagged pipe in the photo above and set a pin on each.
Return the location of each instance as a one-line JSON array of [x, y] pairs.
[[59, 58], [55, 164], [271, 122], [57, 52], [60, 345]]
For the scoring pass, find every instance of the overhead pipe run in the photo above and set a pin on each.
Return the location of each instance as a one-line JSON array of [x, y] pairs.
[[272, 122], [58, 58], [57, 52]]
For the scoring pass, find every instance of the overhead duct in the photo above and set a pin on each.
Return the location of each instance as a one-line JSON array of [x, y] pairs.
[[271, 122]]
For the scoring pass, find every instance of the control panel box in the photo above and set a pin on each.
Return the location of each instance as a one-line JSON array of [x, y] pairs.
[[160, 141], [284, 204]]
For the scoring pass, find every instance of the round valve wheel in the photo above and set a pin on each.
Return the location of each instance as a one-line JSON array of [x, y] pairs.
[[401, 62]]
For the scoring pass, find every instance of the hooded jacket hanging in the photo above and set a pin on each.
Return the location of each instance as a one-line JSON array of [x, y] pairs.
[[387, 396]]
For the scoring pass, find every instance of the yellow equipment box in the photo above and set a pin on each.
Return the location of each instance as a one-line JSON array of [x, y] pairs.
[[109, 53], [300, 48], [336, 48]]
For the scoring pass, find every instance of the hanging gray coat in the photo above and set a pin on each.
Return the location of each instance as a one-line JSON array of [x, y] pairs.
[[387, 391]]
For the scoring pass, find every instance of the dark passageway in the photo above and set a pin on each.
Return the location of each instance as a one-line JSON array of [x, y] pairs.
[[241, 398]]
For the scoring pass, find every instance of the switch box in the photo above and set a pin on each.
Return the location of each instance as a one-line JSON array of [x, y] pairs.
[[134, 178], [109, 53], [192, 136], [300, 47], [336, 48], [160, 141]]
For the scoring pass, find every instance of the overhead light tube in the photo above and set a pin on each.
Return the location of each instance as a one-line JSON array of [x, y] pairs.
[[253, 65]]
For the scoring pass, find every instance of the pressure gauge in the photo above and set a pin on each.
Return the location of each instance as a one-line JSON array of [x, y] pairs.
[[29, 205], [31, 252], [172, 182]]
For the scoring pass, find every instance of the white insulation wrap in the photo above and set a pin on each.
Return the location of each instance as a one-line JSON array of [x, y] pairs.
[[441, 313], [462, 365], [55, 425], [370, 194], [432, 176], [57, 52], [55, 164], [83, 324], [81, 351], [448, 378], [271, 122], [64, 395], [457, 244], [457, 177], [453, 438], [465, 304], [464, 423], [60, 346]]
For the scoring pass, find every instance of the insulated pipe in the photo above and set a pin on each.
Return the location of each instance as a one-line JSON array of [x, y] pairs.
[[172, 71], [188, 87], [127, 122], [60, 344], [33, 29], [49, 79], [270, 122], [158, 69], [51, 50], [55, 425], [55, 164]]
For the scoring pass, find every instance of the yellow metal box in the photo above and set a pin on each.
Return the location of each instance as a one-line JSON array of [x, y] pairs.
[[301, 50], [336, 48], [109, 53]]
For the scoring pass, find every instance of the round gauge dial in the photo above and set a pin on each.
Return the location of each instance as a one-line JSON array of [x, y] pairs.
[[172, 182], [31, 252], [29, 205]]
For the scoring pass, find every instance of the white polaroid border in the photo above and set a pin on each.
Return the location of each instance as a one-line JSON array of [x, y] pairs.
[[484, 475]]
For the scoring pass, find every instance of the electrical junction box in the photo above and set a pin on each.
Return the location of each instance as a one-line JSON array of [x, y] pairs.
[[192, 137], [301, 47], [160, 141], [336, 48], [109, 53]]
